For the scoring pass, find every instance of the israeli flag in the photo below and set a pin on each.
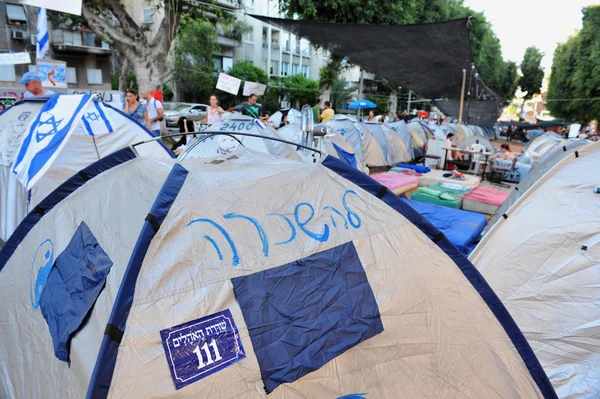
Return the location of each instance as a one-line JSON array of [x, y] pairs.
[[95, 121], [42, 34], [47, 135]]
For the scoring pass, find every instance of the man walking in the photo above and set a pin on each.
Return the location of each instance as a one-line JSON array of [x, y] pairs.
[[327, 113], [317, 111], [155, 111]]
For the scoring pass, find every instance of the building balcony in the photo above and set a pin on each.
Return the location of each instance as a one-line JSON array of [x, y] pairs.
[[227, 42], [79, 41]]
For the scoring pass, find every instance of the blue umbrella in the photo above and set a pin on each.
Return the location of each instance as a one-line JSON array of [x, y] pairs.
[[360, 104]]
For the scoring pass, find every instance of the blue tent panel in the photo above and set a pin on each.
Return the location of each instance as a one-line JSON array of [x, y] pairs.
[[304, 314], [461, 227]]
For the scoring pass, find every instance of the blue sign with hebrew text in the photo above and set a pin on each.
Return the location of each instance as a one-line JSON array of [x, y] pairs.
[[202, 347]]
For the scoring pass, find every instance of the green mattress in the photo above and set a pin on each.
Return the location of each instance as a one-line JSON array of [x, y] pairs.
[[423, 196]]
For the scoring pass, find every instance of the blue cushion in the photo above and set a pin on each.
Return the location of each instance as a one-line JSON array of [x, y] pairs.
[[74, 283], [303, 314]]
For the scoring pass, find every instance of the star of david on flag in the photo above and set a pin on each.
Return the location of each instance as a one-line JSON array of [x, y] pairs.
[[95, 121], [47, 135]]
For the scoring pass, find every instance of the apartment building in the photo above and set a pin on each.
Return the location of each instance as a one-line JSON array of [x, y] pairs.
[[89, 59]]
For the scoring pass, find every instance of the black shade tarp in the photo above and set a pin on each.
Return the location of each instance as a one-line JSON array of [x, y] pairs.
[[530, 126], [427, 58], [475, 112]]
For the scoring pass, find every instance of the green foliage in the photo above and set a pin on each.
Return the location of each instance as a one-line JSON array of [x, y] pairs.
[[300, 90], [234, 28], [509, 80], [381, 101], [114, 82], [131, 82], [247, 71], [167, 93], [532, 74], [340, 95], [271, 100], [327, 75], [574, 84], [193, 68]]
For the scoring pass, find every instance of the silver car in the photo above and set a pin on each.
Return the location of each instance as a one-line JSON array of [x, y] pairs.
[[192, 112]]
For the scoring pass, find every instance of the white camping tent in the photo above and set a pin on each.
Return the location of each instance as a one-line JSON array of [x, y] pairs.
[[293, 117], [242, 275], [81, 150], [402, 130], [332, 143], [542, 261], [361, 139], [208, 146], [393, 147]]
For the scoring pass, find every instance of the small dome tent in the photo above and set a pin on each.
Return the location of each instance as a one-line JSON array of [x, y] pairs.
[[81, 149], [542, 260], [198, 266], [361, 139], [204, 147], [394, 148], [402, 130]]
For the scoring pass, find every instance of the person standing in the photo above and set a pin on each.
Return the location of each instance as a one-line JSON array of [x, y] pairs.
[[155, 111], [317, 111], [214, 113], [371, 117], [136, 110], [33, 84], [251, 109], [327, 113]]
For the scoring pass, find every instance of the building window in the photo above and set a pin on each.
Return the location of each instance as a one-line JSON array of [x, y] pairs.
[[71, 75], [274, 68], [31, 68], [297, 51], [7, 73], [94, 76], [285, 68], [249, 36], [218, 62], [227, 63], [15, 13], [305, 71], [295, 68]]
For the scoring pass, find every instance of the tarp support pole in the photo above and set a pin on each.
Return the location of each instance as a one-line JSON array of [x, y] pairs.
[[409, 98], [462, 97]]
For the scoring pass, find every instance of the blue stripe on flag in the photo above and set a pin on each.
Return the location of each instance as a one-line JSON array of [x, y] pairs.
[[87, 126], [42, 43], [103, 116]]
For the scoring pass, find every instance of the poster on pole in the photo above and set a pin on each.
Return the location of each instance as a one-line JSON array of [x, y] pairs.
[[254, 88], [228, 83], [15, 58], [54, 72], [67, 6]]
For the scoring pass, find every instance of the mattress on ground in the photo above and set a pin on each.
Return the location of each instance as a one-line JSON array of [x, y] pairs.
[[484, 200], [399, 183], [437, 176], [432, 199], [462, 228]]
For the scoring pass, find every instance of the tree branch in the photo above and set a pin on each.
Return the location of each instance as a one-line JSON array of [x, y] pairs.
[[168, 25], [100, 26], [117, 9]]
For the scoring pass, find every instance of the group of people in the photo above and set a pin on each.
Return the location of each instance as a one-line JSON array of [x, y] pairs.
[[323, 115]]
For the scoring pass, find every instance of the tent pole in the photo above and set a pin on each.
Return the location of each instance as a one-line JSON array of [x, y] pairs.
[[462, 98]]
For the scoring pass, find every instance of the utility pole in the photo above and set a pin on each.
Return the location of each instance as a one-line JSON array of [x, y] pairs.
[[360, 90], [462, 99], [409, 98]]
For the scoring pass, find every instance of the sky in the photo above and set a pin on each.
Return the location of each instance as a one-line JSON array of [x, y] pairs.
[[523, 23]]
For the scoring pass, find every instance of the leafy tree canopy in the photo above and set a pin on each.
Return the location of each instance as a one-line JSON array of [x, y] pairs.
[[300, 90], [532, 74]]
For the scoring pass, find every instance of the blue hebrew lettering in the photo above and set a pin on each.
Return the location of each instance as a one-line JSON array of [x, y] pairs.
[[339, 213], [213, 242], [236, 258], [356, 224], [323, 237], [43, 259], [259, 228], [292, 228]]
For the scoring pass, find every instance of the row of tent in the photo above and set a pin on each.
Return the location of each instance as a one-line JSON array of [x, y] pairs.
[[244, 273]]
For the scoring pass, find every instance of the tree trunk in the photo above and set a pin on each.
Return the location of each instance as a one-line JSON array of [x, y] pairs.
[[123, 83], [148, 69], [335, 65], [393, 102]]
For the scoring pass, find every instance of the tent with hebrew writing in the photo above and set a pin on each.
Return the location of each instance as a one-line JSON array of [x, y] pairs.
[[541, 258], [100, 131], [244, 275]]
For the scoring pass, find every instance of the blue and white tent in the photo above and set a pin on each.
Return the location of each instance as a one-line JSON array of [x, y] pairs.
[[99, 131], [361, 139], [246, 275]]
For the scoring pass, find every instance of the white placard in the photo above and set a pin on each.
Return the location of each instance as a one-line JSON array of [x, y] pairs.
[[15, 58], [54, 72], [254, 88], [228, 83], [68, 6]]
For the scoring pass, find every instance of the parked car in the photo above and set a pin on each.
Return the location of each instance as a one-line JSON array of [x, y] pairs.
[[193, 112]]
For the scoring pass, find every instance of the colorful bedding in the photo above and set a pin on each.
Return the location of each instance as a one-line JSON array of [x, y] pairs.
[[484, 200], [399, 183], [437, 176]]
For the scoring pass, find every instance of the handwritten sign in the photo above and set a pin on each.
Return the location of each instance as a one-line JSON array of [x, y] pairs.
[[254, 88], [15, 58], [228, 83], [55, 73], [69, 6], [202, 347]]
